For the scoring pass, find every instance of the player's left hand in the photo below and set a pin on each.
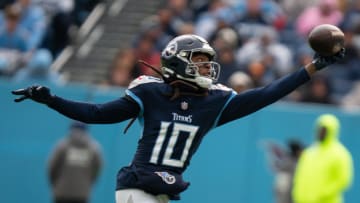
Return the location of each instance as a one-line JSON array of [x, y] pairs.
[[37, 93], [321, 62]]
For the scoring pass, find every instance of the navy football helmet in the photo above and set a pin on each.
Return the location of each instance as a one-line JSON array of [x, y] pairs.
[[177, 64]]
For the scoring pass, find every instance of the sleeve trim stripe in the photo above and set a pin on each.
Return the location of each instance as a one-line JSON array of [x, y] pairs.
[[137, 99], [225, 105]]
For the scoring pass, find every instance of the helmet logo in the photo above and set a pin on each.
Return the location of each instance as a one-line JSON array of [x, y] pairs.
[[170, 50]]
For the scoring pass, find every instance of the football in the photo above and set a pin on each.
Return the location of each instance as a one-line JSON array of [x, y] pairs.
[[326, 39]]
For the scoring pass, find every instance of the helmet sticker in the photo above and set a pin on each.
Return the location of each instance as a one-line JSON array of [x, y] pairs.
[[170, 50]]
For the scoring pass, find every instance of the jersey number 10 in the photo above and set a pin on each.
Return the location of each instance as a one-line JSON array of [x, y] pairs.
[[159, 144]]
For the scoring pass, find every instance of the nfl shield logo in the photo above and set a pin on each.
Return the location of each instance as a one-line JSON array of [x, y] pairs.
[[184, 105]]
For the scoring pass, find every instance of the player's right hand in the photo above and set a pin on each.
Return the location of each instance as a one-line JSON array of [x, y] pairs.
[[37, 93], [321, 62]]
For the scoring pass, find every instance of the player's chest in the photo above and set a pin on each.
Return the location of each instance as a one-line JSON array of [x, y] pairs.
[[185, 110]]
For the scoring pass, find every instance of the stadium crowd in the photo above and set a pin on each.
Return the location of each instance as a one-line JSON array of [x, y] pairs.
[[257, 41], [34, 32]]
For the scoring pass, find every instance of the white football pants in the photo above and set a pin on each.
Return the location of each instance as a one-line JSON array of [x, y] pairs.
[[138, 196]]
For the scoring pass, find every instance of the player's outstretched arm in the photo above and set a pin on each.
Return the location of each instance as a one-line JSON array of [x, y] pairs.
[[248, 102], [110, 112]]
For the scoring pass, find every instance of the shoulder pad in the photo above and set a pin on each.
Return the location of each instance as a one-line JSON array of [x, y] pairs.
[[144, 79], [220, 87]]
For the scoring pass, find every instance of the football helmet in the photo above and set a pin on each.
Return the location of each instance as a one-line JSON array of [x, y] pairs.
[[177, 64]]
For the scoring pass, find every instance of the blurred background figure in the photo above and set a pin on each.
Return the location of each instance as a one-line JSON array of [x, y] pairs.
[[74, 166], [351, 100], [240, 81], [318, 90], [14, 49], [323, 12], [283, 162], [124, 69], [23, 27], [145, 50], [325, 169], [267, 48], [60, 18]]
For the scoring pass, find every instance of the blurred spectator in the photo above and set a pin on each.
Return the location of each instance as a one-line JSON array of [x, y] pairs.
[[33, 61], [207, 22], [251, 16], [82, 10], [351, 18], [259, 73], [283, 162], [324, 12], [226, 59], [59, 20], [225, 41], [240, 81], [325, 169], [304, 55], [63, 20], [344, 5], [145, 50], [225, 38], [38, 68], [318, 90], [123, 69], [293, 8], [186, 28], [33, 19], [182, 14], [165, 18], [14, 49], [351, 27], [267, 48], [351, 100], [74, 166], [165, 31], [347, 72], [261, 12]]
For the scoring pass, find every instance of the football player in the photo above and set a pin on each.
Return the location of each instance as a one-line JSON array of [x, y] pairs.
[[176, 112]]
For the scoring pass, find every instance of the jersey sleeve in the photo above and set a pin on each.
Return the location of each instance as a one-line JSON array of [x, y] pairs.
[[110, 112], [255, 99], [138, 89]]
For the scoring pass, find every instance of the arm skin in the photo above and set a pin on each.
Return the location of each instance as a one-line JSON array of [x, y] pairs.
[[253, 100], [310, 69], [114, 111]]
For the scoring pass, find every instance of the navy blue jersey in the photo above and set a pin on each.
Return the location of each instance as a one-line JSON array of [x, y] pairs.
[[173, 129]]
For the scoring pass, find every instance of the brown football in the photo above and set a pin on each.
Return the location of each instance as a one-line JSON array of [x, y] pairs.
[[326, 39]]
